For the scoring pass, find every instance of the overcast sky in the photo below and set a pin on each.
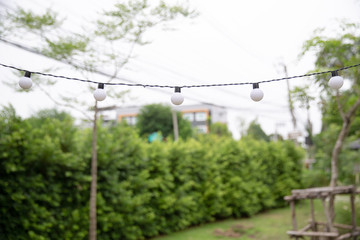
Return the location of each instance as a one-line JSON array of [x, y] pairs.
[[230, 41]]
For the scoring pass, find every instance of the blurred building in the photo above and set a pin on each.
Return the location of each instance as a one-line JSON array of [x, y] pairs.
[[200, 115]]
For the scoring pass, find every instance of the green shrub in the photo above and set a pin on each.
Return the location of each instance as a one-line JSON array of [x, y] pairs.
[[143, 189], [43, 182]]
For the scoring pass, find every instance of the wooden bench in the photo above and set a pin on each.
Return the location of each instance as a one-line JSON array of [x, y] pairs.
[[330, 229]]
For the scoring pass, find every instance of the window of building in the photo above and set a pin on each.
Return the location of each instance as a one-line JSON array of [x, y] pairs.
[[202, 129], [131, 120], [200, 116], [189, 116], [134, 120]]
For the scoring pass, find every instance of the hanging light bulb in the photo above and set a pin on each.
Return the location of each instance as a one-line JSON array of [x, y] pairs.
[[177, 98], [100, 93], [26, 82], [336, 81], [256, 94]]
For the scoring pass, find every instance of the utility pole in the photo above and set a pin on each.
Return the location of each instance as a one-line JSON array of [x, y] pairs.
[[291, 105], [175, 125]]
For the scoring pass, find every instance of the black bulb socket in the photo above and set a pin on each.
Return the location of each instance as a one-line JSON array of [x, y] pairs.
[[27, 74]]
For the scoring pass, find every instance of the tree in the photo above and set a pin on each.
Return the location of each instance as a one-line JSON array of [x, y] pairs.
[[123, 27], [333, 53], [220, 129], [255, 131], [158, 118]]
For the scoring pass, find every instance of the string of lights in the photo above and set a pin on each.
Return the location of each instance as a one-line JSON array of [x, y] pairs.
[[97, 71], [256, 94]]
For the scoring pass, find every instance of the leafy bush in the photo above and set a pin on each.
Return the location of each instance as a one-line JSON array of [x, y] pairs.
[[143, 189], [42, 180]]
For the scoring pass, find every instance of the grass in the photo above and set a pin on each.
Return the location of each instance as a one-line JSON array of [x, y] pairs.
[[270, 225]]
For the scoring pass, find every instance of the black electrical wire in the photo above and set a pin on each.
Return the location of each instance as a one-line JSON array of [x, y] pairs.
[[22, 47], [183, 86]]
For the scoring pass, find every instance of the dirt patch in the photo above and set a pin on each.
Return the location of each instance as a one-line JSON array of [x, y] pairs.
[[226, 233], [234, 231]]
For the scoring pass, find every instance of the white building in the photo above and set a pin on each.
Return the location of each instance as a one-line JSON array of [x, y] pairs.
[[199, 115]]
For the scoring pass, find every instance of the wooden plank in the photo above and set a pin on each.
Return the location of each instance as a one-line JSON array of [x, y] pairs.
[[312, 211], [348, 235], [345, 236], [327, 215], [343, 226], [304, 229], [353, 215], [293, 215], [288, 198], [314, 234], [313, 221], [338, 225], [324, 189], [321, 192]]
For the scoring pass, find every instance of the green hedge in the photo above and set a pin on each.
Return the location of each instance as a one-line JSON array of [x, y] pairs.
[[143, 189]]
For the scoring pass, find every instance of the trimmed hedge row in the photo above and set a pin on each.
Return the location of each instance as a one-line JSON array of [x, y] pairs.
[[143, 189]]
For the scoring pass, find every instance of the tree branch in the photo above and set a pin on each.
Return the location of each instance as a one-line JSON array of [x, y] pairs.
[[119, 66], [63, 104], [353, 109], [340, 107]]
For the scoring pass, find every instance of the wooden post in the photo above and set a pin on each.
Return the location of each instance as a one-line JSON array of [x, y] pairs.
[[353, 215], [293, 216], [313, 221], [329, 225], [93, 186]]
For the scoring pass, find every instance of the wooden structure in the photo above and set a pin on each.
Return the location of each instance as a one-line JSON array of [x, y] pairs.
[[323, 230]]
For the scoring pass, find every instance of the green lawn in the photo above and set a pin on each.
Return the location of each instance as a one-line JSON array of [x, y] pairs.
[[271, 225]]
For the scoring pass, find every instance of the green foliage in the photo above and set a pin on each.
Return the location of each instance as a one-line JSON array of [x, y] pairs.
[[42, 180], [144, 189], [129, 21], [122, 27], [33, 21], [347, 159], [343, 211], [255, 131], [220, 129], [65, 47], [316, 178], [158, 118], [331, 114], [336, 52], [168, 12], [301, 95], [154, 118], [185, 128], [331, 53]]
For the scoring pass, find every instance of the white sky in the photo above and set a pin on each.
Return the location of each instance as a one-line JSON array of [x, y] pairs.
[[231, 41]]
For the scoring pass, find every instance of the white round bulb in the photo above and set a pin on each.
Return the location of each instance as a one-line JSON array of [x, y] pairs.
[[99, 94], [256, 94], [25, 82], [177, 98], [336, 82]]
